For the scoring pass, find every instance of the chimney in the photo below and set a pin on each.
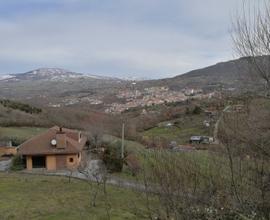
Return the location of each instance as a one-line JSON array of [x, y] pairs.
[[79, 136], [61, 141]]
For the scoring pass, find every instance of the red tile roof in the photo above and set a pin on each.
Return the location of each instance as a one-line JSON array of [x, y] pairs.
[[41, 144]]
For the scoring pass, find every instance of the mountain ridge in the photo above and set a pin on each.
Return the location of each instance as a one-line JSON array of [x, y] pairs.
[[49, 85], [228, 75], [51, 73]]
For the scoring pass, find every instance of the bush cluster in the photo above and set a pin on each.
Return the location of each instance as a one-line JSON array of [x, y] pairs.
[[17, 163], [112, 157], [20, 106]]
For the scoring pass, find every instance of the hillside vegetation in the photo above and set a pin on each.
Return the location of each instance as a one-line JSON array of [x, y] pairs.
[[180, 129], [20, 106], [221, 76], [19, 134]]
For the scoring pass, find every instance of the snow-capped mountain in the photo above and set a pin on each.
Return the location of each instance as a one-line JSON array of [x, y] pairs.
[[47, 74], [5, 77], [51, 74]]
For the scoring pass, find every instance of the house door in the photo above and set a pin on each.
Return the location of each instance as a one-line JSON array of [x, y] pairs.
[[39, 161]]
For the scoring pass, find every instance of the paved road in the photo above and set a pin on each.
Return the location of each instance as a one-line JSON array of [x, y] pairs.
[[94, 171], [115, 181]]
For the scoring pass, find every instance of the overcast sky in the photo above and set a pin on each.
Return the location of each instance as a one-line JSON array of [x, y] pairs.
[[145, 38]]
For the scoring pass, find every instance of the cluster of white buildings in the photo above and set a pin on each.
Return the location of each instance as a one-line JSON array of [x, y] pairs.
[[150, 96], [135, 98], [154, 96]]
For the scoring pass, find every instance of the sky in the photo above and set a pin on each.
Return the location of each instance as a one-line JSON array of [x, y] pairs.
[[120, 38]]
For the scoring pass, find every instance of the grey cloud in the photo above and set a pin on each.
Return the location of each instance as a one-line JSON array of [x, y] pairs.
[[90, 42]]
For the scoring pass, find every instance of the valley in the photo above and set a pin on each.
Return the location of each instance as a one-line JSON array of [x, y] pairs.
[[114, 110], [171, 127], [58, 88], [87, 101]]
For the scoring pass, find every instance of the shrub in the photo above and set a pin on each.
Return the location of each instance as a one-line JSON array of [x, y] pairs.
[[20, 106], [187, 111], [112, 157], [197, 110], [17, 163], [133, 164]]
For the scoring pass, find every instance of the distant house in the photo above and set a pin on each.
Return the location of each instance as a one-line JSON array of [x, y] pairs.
[[195, 139], [6, 149], [211, 114], [169, 124], [56, 149], [206, 123], [200, 140], [238, 108], [5, 143]]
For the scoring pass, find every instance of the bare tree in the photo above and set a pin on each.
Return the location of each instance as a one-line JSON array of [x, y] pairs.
[[97, 180], [251, 39], [95, 135], [182, 187], [246, 138]]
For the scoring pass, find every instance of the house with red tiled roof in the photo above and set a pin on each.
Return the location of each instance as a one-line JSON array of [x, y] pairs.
[[55, 149]]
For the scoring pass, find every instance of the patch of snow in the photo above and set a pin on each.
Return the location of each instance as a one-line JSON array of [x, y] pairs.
[[54, 74], [4, 77]]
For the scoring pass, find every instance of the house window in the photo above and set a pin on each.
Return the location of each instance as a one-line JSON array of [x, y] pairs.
[[71, 160]]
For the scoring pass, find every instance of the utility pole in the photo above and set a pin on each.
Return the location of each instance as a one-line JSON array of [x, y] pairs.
[[123, 139]]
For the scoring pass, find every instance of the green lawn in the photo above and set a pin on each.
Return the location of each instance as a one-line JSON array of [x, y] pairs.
[[49, 197], [20, 133]]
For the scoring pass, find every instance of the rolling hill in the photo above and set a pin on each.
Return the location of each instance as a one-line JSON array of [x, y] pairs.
[[49, 85], [230, 75], [53, 86]]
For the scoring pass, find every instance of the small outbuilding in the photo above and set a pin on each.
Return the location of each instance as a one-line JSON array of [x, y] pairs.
[[200, 140]]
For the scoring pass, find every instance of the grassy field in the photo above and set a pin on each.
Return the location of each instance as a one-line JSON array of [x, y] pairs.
[[200, 157], [182, 129], [20, 133], [49, 197], [131, 146]]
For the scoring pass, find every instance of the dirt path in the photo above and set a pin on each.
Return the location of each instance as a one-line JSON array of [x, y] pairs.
[[216, 140]]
